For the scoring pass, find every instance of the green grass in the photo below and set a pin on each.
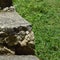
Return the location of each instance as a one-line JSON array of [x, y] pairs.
[[44, 16]]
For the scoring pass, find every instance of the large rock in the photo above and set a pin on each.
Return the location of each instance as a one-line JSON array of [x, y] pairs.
[[16, 35]]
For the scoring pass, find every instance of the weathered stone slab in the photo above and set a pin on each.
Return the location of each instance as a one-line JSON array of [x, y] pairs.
[[18, 57], [11, 20]]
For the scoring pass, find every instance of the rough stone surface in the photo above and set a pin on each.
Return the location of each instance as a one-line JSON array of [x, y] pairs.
[[16, 35], [18, 57], [11, 20]]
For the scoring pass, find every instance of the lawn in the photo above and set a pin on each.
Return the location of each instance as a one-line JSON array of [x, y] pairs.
[[44, 15]]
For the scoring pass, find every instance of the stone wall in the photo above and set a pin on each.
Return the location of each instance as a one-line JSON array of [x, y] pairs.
[[16, 35], [16, 41]]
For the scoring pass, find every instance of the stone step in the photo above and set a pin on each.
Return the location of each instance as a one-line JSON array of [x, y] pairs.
[[29, 57], [11, 20]]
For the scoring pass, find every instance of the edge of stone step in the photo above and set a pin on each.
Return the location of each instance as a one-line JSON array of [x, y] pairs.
[[20, 57], [7, 18]]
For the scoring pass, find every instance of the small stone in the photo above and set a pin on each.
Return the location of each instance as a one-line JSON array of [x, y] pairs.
[[27, 32], [19, 38], [5, 9], [24, 43], [11, 41], [30, 36], [3, 34], [21, 33], [11, 8], [9, 51], [4, 51], [31, 42], [27, 38], [2, 27]]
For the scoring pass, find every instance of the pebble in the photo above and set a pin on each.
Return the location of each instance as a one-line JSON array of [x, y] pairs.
[[5, 9], [24, 43], [31, 42], [11, 8], [27, 32]]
